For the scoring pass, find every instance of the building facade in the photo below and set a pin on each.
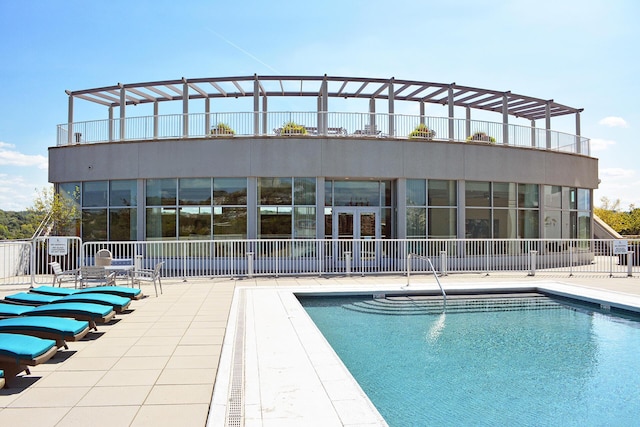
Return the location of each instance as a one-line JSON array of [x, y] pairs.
[[284, 157]]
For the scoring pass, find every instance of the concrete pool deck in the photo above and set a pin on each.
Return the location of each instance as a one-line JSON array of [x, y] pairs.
[[157, 365]]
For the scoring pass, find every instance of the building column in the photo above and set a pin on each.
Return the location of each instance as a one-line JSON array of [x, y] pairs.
[[451, 112], [185, 108], [110, 124], [141, 218], [320, 207], [392, 117], [547, 123], [252, 207], [461, 214], [401, 208], [264, 114], [256, 106], [505, 118], [207, 116], [123, 107], [156, 118], [70, 119], [578, 139]]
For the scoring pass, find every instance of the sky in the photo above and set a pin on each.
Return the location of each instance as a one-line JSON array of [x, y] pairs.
[[580, 53]]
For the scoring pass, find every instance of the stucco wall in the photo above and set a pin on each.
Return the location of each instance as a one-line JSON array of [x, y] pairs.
[[307, 156]]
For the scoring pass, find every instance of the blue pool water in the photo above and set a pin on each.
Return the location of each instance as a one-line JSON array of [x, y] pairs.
[[494, 364]]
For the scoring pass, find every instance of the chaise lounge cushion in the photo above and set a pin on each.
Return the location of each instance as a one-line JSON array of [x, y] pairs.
[[119, 304], [19, 351], [60, 329], [112, 290]]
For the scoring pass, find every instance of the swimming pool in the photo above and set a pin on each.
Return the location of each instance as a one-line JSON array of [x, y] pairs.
[[531, 360]]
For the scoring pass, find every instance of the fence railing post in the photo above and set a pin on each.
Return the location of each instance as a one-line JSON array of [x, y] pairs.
[[408, 269], [443, 263], [347, 260], [533, 260], [249, 264], [630, 263]]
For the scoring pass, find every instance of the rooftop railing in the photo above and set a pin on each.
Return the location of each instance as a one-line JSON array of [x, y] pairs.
[[329, 125]]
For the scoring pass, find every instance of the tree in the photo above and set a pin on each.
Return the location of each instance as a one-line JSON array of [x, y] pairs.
[[58, 211]]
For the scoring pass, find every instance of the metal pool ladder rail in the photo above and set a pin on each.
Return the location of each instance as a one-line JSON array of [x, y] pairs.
[[433, 270]]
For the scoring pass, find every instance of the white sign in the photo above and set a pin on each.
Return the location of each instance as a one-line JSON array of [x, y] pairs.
[[58, 246], [620, 247]]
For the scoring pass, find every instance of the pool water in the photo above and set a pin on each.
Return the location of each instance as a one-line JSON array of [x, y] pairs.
[[531, 362]]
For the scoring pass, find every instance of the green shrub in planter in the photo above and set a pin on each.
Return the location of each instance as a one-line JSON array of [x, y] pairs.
[[423, 132], [481, 137], [222, 129], [292, 128]]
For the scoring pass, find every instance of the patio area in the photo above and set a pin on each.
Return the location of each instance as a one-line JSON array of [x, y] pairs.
[[157, 364]]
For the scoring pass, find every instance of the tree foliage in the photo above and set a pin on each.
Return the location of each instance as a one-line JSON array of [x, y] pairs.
[[624, 222], [61, 211]]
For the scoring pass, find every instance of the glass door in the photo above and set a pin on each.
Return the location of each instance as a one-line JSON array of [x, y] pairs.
[[355, 223]]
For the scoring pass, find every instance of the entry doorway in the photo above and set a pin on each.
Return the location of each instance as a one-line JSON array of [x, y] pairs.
[[351, 224]]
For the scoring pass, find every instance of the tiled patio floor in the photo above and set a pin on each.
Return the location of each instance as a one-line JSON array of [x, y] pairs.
[[157, 365]]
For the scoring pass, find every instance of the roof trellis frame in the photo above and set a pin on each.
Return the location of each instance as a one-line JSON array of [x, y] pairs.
[[477, 98]]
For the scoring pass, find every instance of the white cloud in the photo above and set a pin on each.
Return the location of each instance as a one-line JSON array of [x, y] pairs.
[[614, 122], [16, 193], [10, 157], [601, 144]]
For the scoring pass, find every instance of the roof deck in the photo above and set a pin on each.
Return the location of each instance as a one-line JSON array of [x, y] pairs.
[[254, 119]]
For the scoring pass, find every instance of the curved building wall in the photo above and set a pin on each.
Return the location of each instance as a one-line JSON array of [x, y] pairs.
[[395, 165]]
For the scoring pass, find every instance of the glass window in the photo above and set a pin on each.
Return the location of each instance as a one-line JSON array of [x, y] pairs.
[[94, 194], [123, 224], [161, 223], [304, 191], [504, 195], [304, 223], [194, 191], [328, 193], [569, 199], [478, 224], [70, 190], [274, 191], [416, 223], [528, 224], [553, 196], [94, 225], [230, 191], [416, 192], [385, 189], [584, 199], [195, 223], [553, 224], [584, 225], [478, 193], [123, 193], [356, 193], [274, 222], [442, 223], [161, 192], [528, 196], [386, 224], [229, 223], [442, 193], [504, 223]]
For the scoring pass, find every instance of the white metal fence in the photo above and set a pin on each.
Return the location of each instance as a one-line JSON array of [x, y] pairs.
[[27, 262], [330, 124]]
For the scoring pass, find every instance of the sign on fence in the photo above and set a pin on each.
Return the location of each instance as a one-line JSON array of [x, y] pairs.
[[620, 247], [58, 246]]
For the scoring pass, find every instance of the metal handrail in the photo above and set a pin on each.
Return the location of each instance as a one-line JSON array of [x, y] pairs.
[[433, 270], [396, 126]]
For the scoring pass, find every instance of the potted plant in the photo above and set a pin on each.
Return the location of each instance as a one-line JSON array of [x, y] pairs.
[[482, 137], [222, 129], [422, 132], [292, 128]]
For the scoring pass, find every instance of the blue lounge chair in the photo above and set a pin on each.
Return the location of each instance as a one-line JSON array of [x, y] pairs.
[[120, 291], [18, 352], [92, 313], [60, 329], [119, 304]]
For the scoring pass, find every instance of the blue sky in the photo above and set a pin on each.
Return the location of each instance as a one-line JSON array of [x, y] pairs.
[[581, 53]]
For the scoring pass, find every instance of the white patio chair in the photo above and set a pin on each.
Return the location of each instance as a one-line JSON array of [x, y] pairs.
[[148, 275]]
